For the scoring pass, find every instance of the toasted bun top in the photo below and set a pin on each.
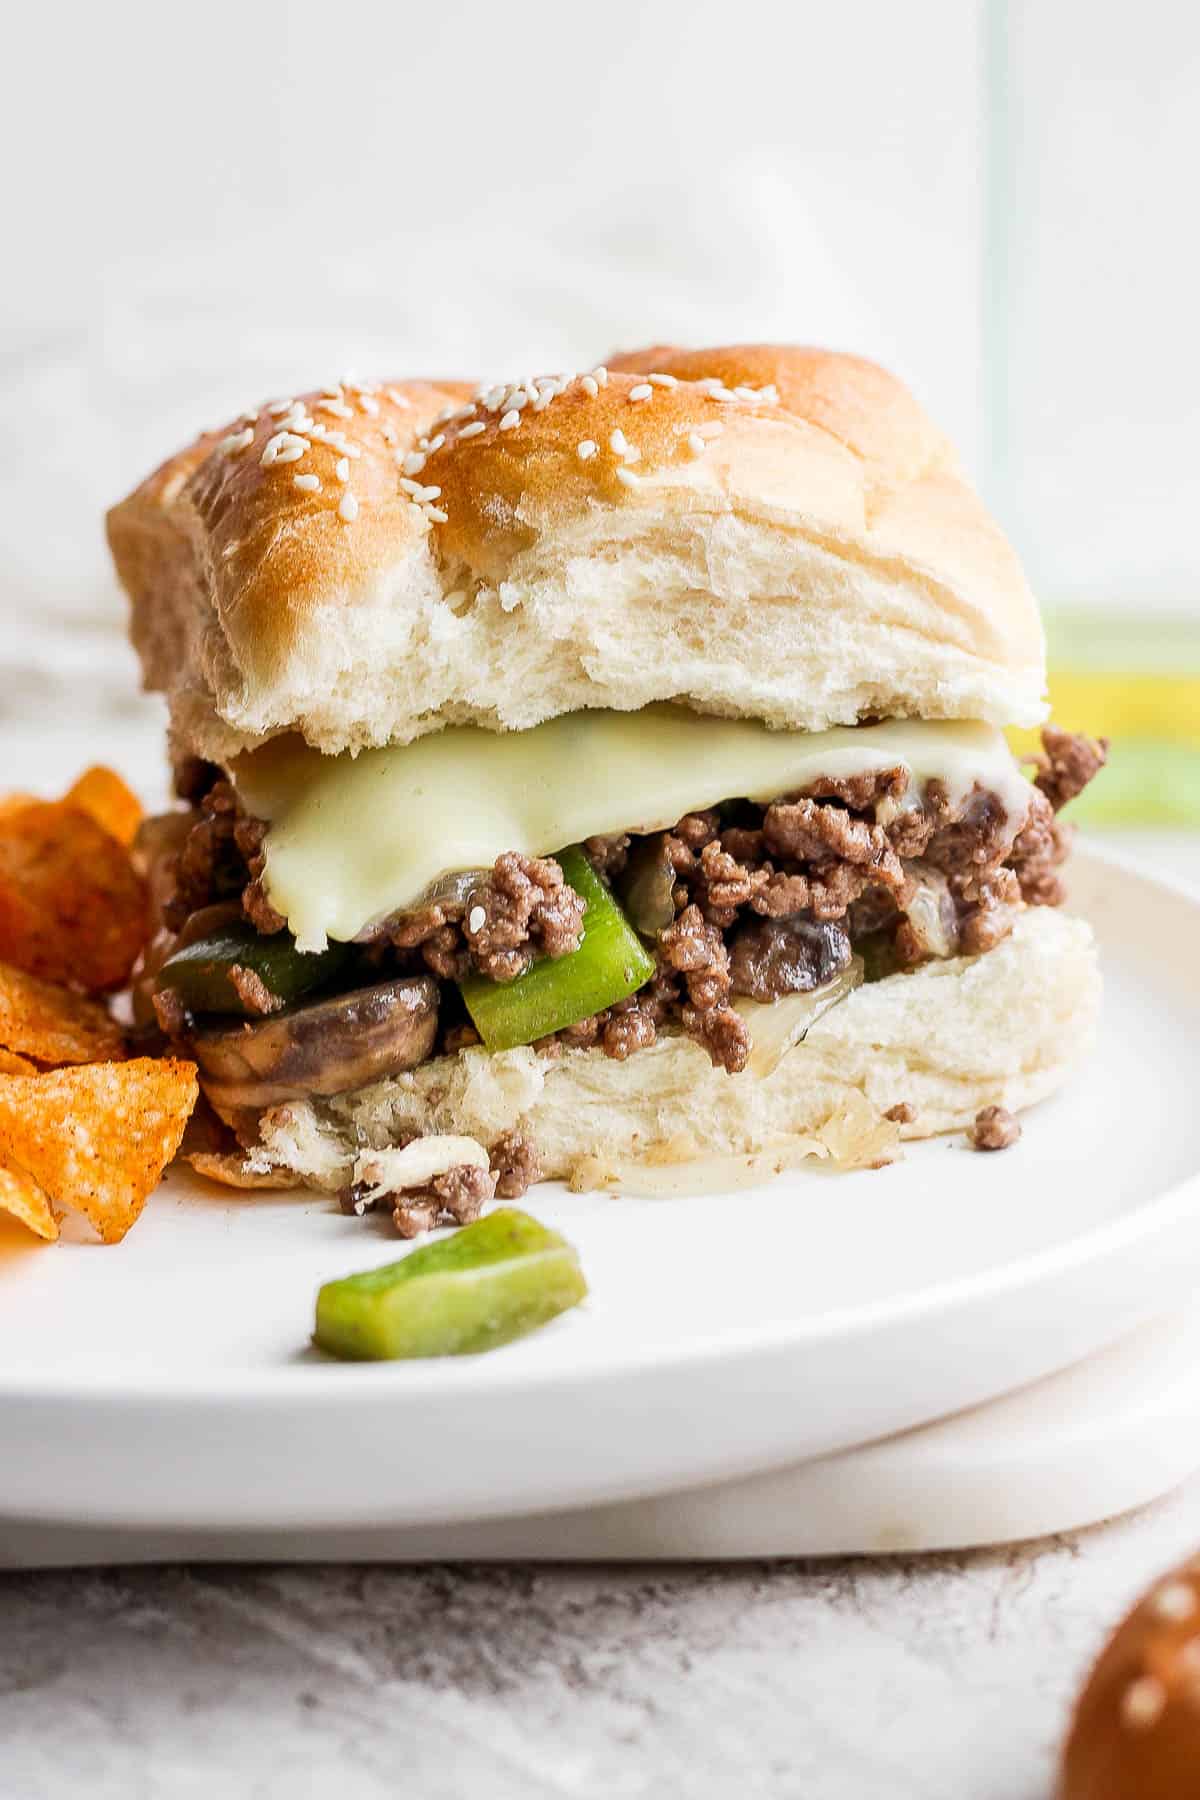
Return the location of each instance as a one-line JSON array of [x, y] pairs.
[[1136, 1730], [760, 531]]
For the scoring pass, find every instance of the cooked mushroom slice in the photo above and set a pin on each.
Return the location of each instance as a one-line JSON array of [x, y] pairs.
[[326, 1048]]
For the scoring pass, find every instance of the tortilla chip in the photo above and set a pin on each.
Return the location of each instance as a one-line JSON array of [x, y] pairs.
[[21, 1196], [52, 1024], [114, 805], [97, 1138], [230, 1170], [72, 907]]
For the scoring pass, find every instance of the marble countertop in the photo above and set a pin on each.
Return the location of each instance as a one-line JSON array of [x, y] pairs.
[[936, 1678], [940, 1678]]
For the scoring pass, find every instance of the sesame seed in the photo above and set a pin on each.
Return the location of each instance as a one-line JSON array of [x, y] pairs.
[[410, 486], [338, 408], [237, 441], [1143, 1703], [627, 478], [590, 386], [309, 484], [642, 391], [696, 443], [1174, 1601], [586, 448], [342, 469], [397, 398], [476, 919], [600, 374], [436, 514], [284, 447], [473, 429], [277, 408], [436, 443], [413, 463], [348, 506], [665, 381], [511, 420], [369, 404], [333, 393], [617, 442]]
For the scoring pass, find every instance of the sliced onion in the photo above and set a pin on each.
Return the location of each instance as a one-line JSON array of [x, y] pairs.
[[693, 1175], [646, 886], [453, 889], [394, 1171], [777, 1025], [931, 913]]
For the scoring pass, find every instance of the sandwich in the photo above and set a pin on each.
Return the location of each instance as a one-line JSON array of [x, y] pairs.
[[597, 772]]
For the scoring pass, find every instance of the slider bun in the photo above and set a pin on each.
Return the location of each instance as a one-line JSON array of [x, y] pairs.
[[1136, 1730], [1001, 1029], [795, 542]]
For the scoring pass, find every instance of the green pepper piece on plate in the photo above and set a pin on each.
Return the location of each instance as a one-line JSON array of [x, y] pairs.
[[610, 963], [200, 973], [488, 1284]]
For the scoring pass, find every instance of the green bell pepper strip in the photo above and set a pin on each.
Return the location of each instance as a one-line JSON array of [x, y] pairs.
[[610, 963], [199, 973], [488, 1284]]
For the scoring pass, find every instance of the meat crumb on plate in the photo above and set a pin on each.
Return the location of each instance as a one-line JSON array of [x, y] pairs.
[[995, 1128]]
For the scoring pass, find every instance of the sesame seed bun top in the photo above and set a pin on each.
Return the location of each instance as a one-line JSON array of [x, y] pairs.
[[759, 530]]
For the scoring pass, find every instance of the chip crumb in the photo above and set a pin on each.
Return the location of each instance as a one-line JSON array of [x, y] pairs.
[[901, 1114], [995, 1128]]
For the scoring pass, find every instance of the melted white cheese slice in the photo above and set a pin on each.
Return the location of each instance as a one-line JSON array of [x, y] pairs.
[[352, 839]]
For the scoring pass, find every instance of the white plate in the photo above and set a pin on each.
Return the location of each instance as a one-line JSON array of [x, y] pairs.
[[1107, 1435], [169, 1383]]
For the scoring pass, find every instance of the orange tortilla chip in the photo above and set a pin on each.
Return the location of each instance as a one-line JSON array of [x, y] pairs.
[[96, 1138], [21, 1196], [72, 907], [52, 1024], [114, 805], [230, 1171]]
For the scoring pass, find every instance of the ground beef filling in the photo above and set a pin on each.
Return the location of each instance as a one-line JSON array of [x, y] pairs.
[[766, 901]]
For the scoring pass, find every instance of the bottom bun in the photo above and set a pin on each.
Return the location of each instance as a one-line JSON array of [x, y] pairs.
[[1002, 1029]]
